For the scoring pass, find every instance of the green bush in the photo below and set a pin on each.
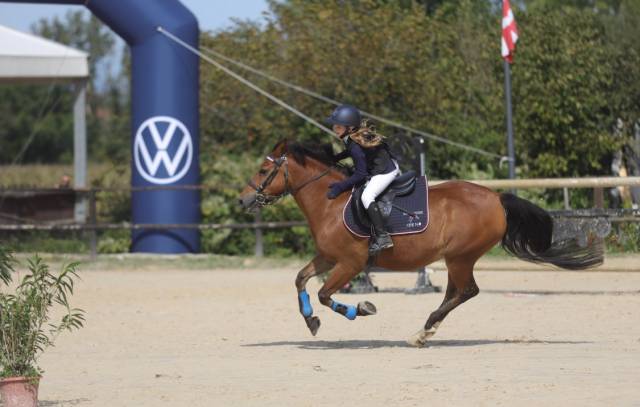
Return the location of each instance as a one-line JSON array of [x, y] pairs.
[[624, 237], [114, 241], [295, 241], [46, 241], [113, 206], [225, 178], [6, 265]]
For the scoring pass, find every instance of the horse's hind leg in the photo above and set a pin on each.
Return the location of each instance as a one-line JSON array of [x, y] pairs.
[[315, 267], [460, 288]]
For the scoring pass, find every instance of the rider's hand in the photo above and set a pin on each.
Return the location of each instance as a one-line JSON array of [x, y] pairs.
[[334, 191]]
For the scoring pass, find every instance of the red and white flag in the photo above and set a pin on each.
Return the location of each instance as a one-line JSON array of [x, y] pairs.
[[509, 32]]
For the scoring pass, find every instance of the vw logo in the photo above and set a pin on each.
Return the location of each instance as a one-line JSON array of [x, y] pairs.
[[154, 139]]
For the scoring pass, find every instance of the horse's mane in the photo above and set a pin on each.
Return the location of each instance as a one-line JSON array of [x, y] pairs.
[[322, 152]]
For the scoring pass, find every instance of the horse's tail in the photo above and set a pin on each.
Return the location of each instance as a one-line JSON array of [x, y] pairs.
[[529, 237]]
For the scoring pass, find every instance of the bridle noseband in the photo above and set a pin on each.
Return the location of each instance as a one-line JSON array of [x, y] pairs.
[[263, 199]]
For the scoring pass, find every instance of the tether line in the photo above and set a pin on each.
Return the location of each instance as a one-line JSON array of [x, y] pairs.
[[309, 93], [335, 102], [246, 82]]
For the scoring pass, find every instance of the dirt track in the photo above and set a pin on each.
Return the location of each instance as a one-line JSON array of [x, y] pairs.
[[234, 337]]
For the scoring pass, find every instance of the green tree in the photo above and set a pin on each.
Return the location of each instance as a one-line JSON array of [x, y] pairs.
[[562, 82], [598, 6], [623, 31], [438, 71], [44, 111], [37, 113], [435, 73]]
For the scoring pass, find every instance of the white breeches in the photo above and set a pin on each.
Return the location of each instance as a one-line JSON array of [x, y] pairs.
[[377, 184]]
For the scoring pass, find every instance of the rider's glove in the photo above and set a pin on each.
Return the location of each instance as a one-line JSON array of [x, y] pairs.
[[334, 191]]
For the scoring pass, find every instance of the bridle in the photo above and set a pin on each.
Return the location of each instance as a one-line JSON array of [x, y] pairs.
[[263, 199]]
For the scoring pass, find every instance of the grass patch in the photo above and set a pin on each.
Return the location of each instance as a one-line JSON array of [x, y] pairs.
[[47, 175], [45, 241], [154, 262], [497, 251]]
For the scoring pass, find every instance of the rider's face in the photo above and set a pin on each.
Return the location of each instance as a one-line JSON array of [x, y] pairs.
[[339, 129]]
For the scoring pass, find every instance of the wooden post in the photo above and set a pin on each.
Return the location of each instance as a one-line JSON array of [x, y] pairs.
[[598, 198], [93, 234]]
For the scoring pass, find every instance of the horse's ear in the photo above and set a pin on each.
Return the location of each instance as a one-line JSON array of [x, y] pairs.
[[281, 147]]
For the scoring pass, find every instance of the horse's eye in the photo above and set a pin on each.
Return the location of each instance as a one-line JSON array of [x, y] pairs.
[[262, 172]]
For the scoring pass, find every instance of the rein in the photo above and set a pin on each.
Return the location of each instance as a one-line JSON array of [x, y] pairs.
[[263, 199]]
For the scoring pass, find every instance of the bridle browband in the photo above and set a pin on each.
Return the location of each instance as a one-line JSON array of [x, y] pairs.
[[263, 199]]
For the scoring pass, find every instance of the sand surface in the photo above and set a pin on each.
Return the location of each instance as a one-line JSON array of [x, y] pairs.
[[235, 338]]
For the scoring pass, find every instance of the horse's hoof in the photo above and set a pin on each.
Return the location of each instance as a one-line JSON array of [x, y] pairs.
[[314, 324], [366, 308], [418, 340], [422, 336]]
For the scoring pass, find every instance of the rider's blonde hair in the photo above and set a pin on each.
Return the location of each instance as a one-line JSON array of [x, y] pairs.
[[366, 135]]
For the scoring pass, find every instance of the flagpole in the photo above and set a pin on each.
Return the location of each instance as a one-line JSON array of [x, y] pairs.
[[507, 95]]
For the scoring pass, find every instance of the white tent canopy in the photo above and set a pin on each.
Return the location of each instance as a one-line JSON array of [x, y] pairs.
[[27, 58]]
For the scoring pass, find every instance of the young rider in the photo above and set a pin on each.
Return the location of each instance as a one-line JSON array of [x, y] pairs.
[[375, 163]]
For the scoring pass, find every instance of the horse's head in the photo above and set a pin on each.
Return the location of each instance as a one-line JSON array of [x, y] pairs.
[[270, 183]]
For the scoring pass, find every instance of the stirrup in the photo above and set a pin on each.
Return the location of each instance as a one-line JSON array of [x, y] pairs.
[[380, 243]]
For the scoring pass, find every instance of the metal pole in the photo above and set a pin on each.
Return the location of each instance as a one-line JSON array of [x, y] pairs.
[[423, 283], [423, 157], [93, 219], [80, 151], [259, 238], [565, 192], [510, 146]]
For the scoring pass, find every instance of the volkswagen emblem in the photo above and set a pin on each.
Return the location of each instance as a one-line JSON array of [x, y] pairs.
[[162, 150]]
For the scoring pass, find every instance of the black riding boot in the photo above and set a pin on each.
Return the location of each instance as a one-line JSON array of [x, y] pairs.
[[381, 239]]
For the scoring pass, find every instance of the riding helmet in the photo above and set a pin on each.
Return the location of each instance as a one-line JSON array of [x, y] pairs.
[[345, 115]]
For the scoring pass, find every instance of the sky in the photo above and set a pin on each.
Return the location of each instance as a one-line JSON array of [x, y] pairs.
[[212, 14]]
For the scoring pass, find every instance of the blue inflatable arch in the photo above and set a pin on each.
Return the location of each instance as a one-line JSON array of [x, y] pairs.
[[165, 116]]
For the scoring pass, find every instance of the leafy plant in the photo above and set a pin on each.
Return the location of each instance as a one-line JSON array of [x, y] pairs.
[[624, 238], [114, 241], [6, 265], [25, 330]]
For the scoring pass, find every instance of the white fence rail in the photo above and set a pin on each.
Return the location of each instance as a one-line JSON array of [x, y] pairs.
[[589, 182]]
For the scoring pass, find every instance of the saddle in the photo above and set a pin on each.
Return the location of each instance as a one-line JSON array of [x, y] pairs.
[[403, 205], [401, 186]]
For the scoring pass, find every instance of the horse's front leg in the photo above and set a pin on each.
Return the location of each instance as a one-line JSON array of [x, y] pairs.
[[315, 267], [340, 275]]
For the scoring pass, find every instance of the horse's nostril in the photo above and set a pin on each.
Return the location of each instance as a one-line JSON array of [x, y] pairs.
[[240, 201]]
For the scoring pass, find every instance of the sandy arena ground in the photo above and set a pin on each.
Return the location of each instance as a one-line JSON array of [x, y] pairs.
[[234, 337]]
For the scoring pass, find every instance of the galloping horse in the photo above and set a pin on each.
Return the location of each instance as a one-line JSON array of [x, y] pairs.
[[466, 221]]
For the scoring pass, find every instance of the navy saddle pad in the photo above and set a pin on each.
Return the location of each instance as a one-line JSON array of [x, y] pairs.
[[413, 217]]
